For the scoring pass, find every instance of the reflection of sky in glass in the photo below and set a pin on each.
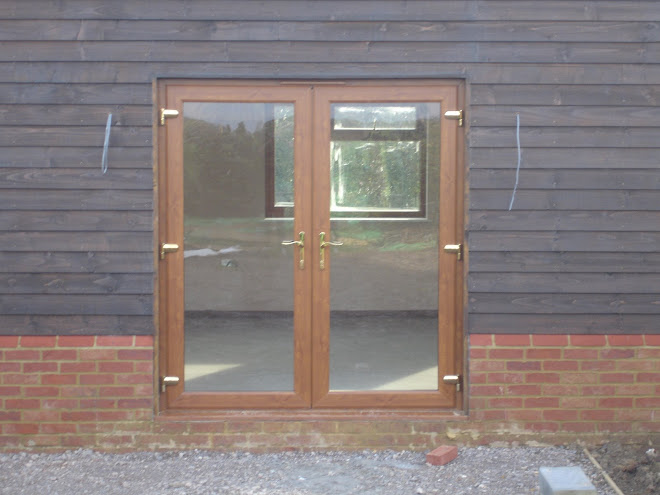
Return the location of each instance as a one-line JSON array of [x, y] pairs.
[[375, 116]]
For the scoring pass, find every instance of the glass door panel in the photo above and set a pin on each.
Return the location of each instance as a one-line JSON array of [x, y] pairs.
[[237, 177], [384, 204]]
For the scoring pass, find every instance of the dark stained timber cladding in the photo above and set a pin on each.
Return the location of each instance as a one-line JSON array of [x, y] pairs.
[[76, 241], [535, 220], [74, 136], [493, 73], [66, 92], [561, 323], [208, 30], [567, 283], [61, 178], [70, 262], [72, 199], [75, 283], [578, 252], [77, 304], [551, 241], [341, 10], [76, 221], [565, 158], [75, 157], [75, 115], [577, 116], [316, 51], [76, 324], [482, 262], [629, 179]]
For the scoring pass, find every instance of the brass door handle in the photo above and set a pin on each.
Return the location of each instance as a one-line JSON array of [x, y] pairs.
[[323, 244], [167, 248], [301, 244]]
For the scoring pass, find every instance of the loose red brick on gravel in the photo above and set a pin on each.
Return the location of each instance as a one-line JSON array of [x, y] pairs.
[[442, 455]]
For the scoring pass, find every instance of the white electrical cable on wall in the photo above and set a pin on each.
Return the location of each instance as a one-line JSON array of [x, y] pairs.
[[104, 159], [515, 187]]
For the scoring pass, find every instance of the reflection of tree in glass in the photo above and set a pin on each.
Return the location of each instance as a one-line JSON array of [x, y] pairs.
[[220, 167], [376, 174]]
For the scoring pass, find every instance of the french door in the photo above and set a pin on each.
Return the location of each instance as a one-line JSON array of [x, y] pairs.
[[309, 245]]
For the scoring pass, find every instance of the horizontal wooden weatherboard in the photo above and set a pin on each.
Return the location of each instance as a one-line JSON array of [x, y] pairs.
[[563, 262], [67, 115], [213, 30], [77, 199], [563, 323], [565, 116], [77, 241], [564, 137], [75, 157], [313, 51], [109, 93], [623, 242], [75, 283], [85, 262], [534, 220], [567, 283], [511, 10], [566, 158], [75, 136], [80, 178], [117, 73], [607, 179], [76, 325], [549, 303], [495, 31], [58, 304], [76, 221], [552, 93], [573, 200]]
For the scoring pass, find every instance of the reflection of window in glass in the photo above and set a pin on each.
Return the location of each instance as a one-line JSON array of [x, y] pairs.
[[378, 159], [377, 176], [283, 135], [279, 159], [374, 117]]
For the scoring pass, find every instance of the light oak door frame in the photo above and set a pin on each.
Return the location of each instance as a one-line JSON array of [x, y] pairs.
[[312, 215]]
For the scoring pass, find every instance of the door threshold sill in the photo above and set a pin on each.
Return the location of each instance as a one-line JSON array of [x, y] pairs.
[[311, 415]]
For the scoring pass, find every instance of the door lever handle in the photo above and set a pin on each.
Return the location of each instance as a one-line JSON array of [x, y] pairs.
[[301, 244], [323, 244]]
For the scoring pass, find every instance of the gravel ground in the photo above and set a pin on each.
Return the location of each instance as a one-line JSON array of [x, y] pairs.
[[477, 470]]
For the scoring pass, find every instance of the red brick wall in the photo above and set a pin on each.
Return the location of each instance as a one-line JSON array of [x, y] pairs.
[[59, 392], [73, 391], [566, 385]]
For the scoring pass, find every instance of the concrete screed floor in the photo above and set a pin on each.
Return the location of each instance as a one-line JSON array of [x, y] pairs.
[[254, 352]]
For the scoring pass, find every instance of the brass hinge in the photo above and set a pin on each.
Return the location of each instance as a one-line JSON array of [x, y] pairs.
[[167, 381], [167, 113], [167, 248], [456, 249], [453, 380], [455, 115]]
